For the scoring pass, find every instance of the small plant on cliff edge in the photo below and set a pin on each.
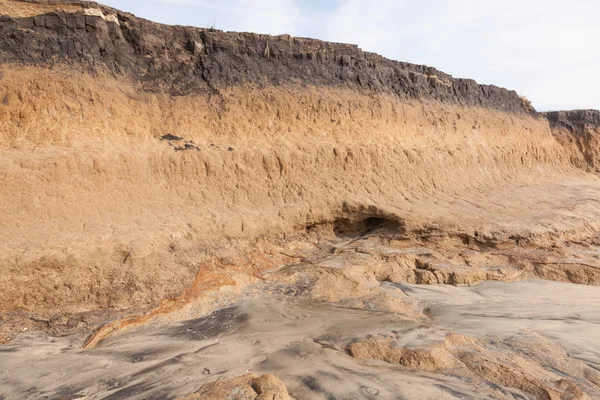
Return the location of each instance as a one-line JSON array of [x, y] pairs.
[[213, 25]]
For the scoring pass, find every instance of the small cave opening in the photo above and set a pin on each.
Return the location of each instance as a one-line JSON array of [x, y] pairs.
[[358, 227]]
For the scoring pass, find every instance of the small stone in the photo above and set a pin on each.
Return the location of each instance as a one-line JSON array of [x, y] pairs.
[[168, 136], [195, 47], [372, 391]]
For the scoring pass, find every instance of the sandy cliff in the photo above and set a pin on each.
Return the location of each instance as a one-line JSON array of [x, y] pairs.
[[278, 135], [578, 131], [144, 163]]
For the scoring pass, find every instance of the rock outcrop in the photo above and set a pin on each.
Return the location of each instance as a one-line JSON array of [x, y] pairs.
[[579, 131], [144, 167], [245, 387], [185, 60], [495, 362]]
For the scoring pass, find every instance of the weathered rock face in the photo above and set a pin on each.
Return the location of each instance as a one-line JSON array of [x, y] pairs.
[[142, 162], [578, 130], [186, 60], [245, 387], [575, 119], [152, 174]]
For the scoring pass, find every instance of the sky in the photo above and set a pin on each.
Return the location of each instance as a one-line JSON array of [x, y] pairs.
[[546, 50]]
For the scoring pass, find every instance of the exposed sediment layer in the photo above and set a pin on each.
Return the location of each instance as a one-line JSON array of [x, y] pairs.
[[579, 131], [152, 174], [103, 213], [186, 60], [171, 170]]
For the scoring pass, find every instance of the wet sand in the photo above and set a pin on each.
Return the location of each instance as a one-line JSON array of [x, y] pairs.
[[303, 343], [564, 312]]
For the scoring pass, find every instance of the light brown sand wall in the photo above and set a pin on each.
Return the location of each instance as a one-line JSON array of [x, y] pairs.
[[99, 212]]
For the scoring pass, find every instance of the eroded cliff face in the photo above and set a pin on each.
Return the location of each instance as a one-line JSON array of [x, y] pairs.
[[185, 60], [167, 171], [579, 131], [135, 154]]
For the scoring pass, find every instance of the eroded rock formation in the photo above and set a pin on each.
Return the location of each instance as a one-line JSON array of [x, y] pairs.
[[579, 130], [154, 173], [245, 387]]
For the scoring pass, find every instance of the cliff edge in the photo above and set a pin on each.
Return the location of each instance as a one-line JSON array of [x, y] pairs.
[[186, 60]]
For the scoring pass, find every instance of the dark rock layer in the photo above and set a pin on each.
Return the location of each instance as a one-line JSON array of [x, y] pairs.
[[186, 60], [575, 121], [580, 130]]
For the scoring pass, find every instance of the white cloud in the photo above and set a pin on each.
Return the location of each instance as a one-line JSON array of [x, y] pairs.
[[261, 16], [269, 16]]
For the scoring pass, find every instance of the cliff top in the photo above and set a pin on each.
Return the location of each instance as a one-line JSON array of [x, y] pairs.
[[574, 118], [187, 60]]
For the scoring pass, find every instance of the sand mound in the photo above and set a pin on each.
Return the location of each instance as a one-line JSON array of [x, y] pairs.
[[246, 387], [510, 363]]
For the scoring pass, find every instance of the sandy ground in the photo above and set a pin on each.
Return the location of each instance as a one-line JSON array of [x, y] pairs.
[[566, 313], [303, 343]]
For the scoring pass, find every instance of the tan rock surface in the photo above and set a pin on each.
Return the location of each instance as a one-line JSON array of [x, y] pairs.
[[499, 364], [174, 197], [97, 217], [23, 9], [246, 387]]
